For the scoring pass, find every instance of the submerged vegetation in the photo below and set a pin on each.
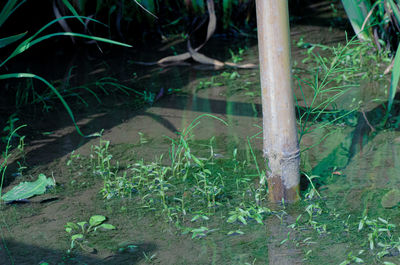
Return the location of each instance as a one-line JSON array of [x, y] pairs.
[[199, 191]]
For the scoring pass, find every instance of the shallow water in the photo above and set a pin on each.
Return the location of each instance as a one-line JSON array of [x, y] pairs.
[[356, 167]]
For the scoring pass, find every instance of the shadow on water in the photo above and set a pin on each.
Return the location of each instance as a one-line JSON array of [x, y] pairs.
[[64, 139], [119, 110], [23, 254], [121, 121]]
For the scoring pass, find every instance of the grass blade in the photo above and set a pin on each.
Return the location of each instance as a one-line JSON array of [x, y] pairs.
[[77, 35], [394, 80], [73, 11], [395, 9], [11, 39], [356, 12], [8, 9], [26, 44], [55, 91]]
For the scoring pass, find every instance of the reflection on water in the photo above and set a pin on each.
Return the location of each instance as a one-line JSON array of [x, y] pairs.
[[357, 166]]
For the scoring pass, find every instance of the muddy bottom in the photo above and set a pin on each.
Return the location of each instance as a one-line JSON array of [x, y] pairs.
[[179, 179]]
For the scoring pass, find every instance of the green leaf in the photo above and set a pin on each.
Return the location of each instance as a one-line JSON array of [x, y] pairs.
[[357, 12], [26, 190], [358, 260], [72, 226], [197, 161], [82, 225], [96, 220], [239, 232], [243, 220], [395, 9], [232, 219], [77, 35], [77, 237], [394, 80], [69, 227], [53, 89], [105, 227], [199, 231], [73, 11], [11, 39], [8, 9], [29, 42]]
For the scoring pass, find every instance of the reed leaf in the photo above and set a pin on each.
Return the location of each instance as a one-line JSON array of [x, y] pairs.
[[8, 9], [29, 42], [357, 11], [53, 89], [147, 5], [72, 10], [11, 39], [78, 35], [395, 9], [394, 79], [227, 10]]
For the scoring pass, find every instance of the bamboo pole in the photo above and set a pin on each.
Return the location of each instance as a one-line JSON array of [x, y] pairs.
[[281, 148]]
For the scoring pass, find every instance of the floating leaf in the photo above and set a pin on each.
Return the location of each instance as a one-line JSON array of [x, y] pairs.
[[391, 198], [28, 189]]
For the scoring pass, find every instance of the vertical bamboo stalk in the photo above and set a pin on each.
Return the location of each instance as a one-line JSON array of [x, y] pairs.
[[281, 147]]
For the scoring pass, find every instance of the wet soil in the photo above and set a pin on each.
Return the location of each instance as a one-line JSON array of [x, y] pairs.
[[34, 232]]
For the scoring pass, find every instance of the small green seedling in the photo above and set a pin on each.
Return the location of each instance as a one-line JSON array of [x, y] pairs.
[[235, 232], [352, 258], [80, 230], [199, 232], [237, 57]]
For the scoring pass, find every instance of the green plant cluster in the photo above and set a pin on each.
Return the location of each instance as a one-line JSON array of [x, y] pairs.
[[80, 232], [165, 17], [186, 189], [368, 239], [334, 73], [23, 42], [377, 21]]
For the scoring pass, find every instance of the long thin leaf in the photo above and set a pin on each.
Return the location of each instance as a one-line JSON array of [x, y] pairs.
[[11, 39], [357, 16], [395, 79], [26, 44], [8, 9], [77, 35], [55, 91], [73, 11], [395, 9]]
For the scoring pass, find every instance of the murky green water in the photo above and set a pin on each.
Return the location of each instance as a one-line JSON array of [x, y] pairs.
[[356, 169]]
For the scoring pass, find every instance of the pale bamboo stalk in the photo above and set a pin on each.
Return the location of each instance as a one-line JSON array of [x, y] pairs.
[[281, 148]]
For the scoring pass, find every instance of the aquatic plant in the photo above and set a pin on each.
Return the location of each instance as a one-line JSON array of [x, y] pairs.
[[79, 232], [377, 21], [330, 80], [6, 155], [164, 17], [10, 7], [189, 186]]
